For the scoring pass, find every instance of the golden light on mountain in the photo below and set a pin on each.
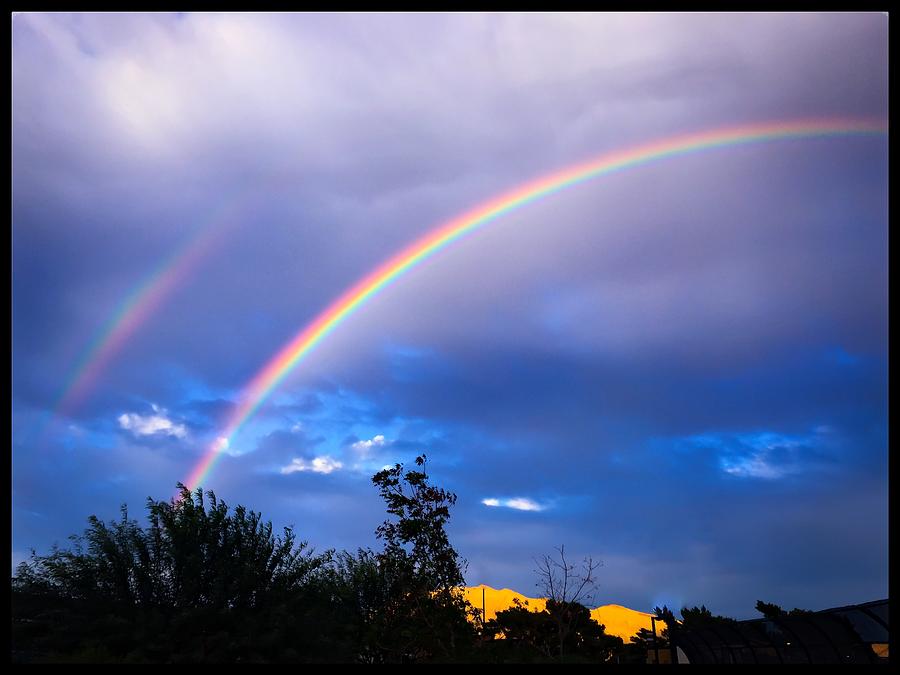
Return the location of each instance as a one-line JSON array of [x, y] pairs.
[[617, 619]]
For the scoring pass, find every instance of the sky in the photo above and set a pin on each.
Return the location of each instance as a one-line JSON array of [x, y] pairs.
[[678, 369]]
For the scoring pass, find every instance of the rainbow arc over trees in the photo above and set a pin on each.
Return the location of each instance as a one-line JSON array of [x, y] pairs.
[[291, 354]]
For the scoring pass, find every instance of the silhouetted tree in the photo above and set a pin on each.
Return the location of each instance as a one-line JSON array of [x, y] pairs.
[[193, 554], [525, 635], [566, 588], [408, 598], [643, 642], [699, 617], [773, 611], [534, 635], [199, 583]]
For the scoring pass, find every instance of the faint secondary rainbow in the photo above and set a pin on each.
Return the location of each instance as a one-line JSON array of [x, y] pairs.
[[140, 304], [277, 368], [129, 315]]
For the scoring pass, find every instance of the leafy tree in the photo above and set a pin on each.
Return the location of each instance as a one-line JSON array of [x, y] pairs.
[[418, 535], [699, 617], [645, 636], [199, 583], [564, 629], [525, 635], [772, 611], [534, 635], [589, 638], [408, 598], [193, 554], [693, 617], [643, 642]]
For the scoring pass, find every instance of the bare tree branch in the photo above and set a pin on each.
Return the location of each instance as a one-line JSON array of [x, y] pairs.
[[563, 586]]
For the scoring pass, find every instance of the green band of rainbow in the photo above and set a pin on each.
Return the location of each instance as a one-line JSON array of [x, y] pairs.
[[155, 288], [134, 310], [277, 368], [131, 314]]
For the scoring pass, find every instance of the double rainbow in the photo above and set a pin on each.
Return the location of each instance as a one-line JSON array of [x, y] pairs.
[[277, 368]]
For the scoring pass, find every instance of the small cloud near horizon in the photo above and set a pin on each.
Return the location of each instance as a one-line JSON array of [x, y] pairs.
[[323, 464], [152, 425], [516, 503]]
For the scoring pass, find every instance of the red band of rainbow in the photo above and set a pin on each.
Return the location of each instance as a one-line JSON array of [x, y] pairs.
[[130, 315]]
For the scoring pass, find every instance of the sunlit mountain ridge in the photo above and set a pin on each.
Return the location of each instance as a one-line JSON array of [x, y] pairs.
[[618, 620]]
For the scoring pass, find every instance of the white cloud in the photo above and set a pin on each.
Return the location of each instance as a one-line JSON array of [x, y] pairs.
[[754, 466], [523, 504], [517, 503], [152, 425], [324, 464], [365, 446], [768, 455]]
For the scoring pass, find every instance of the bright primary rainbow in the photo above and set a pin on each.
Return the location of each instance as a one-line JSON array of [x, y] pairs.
[[276, 369]]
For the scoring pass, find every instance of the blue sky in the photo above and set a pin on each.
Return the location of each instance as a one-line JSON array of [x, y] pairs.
[[680, 370]]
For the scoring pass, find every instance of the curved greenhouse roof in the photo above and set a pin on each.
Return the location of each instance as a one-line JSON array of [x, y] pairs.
[[852, 634]]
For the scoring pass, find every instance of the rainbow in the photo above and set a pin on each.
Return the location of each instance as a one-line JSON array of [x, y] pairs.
[[138, 306], [277, 368], [130, 314]]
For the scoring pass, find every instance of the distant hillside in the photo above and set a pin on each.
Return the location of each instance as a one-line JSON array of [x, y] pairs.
[[618, 620]]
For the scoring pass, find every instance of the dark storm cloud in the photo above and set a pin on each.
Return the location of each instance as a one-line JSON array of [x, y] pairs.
[[685, 363]]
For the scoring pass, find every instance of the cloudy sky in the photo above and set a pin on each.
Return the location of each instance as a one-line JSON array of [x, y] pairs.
[[680, 369]]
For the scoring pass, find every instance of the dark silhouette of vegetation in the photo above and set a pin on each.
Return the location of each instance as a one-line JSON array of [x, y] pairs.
[[533, 636], [563, 630], [200, 582], [772, 611], [566, 589], [408, 599], [193, 554], [644, 645], [691, 617], [644, 642]]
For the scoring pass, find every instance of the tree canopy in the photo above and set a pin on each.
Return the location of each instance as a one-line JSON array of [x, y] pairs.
[[198, 581], [203, 582]]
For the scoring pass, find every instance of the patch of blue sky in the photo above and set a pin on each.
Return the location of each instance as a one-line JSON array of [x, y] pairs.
[[414, 363], [842, 357], [762, 454], [673, 600]]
